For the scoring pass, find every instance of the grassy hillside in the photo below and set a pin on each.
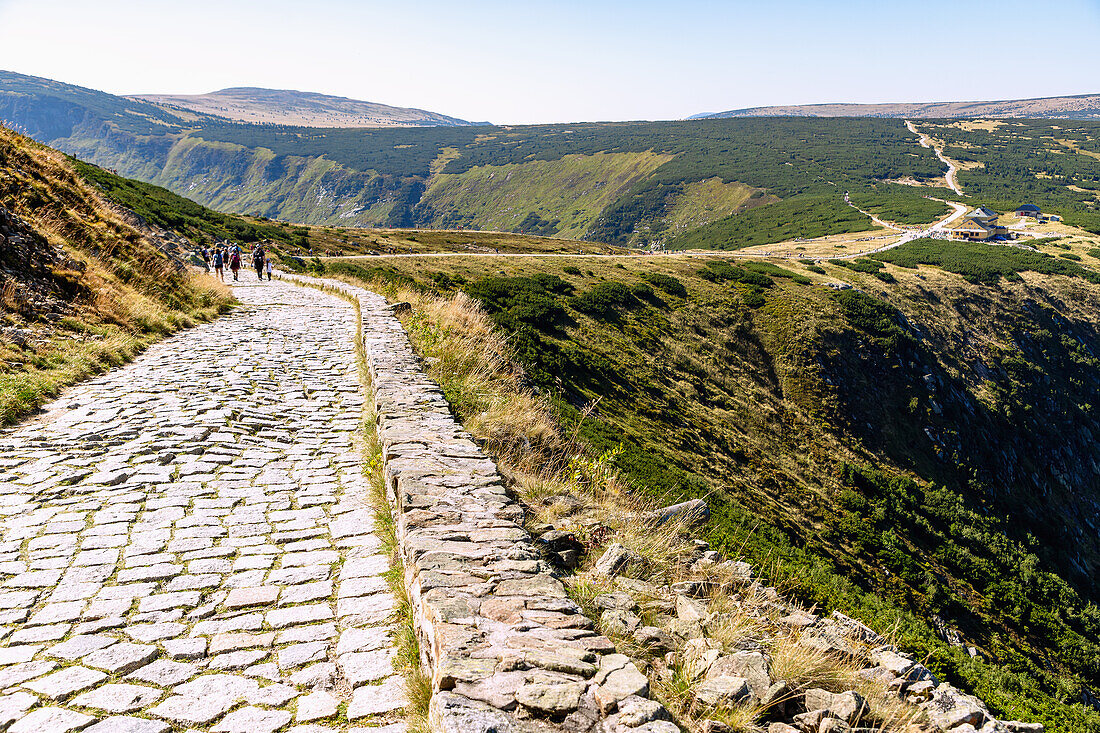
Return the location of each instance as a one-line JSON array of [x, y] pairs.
[[567, 194], [918, 453], [83, 285], [623, 183]]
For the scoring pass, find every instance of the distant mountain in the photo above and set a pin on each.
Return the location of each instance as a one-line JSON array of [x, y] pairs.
[[1081, 107], [304, 109]]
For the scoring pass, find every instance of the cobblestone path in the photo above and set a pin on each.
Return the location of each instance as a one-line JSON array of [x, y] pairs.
[[185, 542]]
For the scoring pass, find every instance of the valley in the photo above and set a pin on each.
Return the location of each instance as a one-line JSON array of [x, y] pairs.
[[884, 421]]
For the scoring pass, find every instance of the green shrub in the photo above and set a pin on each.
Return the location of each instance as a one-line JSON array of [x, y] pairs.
[[668, 283], [571, 270], [721, 271], [605, 300], [982, 263]]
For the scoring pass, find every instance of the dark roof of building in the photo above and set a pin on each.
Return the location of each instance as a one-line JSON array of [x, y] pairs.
[[1028, 207]]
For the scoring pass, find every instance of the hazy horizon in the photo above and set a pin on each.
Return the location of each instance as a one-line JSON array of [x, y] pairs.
[[565, 61]]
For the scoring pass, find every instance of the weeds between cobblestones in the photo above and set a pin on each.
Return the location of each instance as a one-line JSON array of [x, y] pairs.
[[186, 541], [418, 689]]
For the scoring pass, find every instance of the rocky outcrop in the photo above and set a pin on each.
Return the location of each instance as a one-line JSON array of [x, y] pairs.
[[505, 647]]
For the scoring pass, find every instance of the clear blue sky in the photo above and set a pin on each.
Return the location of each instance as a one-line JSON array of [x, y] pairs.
[[517, 61]]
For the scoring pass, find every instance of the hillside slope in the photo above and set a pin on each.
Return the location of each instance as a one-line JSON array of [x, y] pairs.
[[706, 184], [291, 107], [918, 453], [1083, 106], [83, 284]]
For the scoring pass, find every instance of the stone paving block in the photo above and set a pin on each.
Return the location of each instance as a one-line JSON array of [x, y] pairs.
[[77, 646], [317, 705], [294, 615], [16, 673], [127, 724], [164, 672], [33, 634], [122, 657], [116, 698], [148, 633], [252, 720], [15, 706], [258, 596], [312, 632], [306, 592], [272, 695], [297, 655], [191, 648], [51, 720], [17, 654], [359, 668], [387, 697], [241, 640], [65, 682]]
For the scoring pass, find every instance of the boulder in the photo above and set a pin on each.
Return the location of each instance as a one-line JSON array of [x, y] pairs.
[[1015, 726], [657, 726], [948, 708], [715, 691], [655, 640], [689, 609], [808, 722], [694, 511], [617, 622], [616, 599], [833, 725], [847, 706], [617, 560], [619, 685], [697, 656], [781, 728], [752, 666], [552, 698], [685, 629], [635, 711], [776, 698]]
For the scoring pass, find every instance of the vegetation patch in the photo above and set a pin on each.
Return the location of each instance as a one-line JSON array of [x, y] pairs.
[[982, 263]]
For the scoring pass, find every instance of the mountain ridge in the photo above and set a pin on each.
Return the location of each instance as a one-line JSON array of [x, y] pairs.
[[261, 105], [1080, 106]]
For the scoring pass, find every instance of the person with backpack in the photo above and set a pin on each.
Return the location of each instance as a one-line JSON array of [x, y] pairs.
[[219, 264], [235, 260], [258, 261]]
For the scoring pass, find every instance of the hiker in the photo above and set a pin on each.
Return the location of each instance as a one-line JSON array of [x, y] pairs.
[[268, 267], [219, 263], [205, 258], [258, 261], [235, 260]]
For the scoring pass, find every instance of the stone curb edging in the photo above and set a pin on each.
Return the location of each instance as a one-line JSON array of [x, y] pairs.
[[505, 647]]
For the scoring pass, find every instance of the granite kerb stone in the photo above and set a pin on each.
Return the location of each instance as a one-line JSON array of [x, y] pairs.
[[504, 646]]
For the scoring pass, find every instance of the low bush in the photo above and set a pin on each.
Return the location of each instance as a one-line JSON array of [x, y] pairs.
[[982, 263], [605, 300], [667, 283]]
